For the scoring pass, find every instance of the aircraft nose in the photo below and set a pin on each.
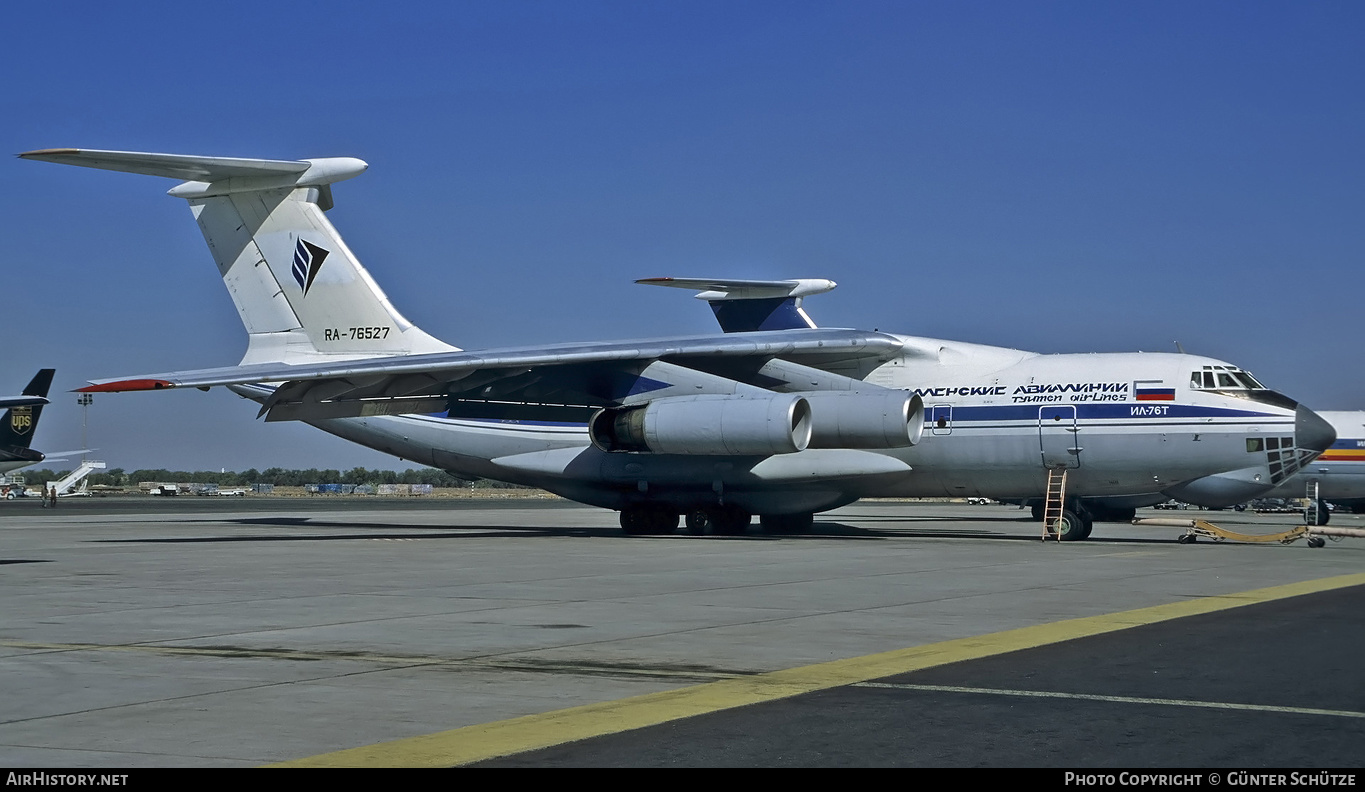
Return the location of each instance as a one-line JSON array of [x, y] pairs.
[[1311, 432]]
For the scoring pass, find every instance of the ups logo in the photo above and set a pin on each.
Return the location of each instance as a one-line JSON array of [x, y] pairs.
[[21, 419]]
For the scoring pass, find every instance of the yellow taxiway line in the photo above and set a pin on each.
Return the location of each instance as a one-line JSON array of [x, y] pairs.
[[503, 738]]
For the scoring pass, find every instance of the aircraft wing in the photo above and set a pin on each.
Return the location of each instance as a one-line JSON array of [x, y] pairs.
[[565, 381], [61, 456]]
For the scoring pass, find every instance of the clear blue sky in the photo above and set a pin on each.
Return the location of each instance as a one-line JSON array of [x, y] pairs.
[[1053, 176]]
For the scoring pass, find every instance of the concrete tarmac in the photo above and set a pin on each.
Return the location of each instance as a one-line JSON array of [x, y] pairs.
[[203, 632]]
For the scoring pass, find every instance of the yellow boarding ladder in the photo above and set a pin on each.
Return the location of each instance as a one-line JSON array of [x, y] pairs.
[[1311, 513], [1054, 503]]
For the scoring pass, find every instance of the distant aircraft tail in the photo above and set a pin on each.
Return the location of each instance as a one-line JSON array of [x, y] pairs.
[[19, 421], [302, 295]]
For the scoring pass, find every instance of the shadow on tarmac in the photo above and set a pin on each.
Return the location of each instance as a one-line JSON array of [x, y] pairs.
[[408, 532]]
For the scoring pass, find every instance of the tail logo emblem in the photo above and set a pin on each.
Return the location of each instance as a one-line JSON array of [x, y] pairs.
[[308, 260], [21, 419]]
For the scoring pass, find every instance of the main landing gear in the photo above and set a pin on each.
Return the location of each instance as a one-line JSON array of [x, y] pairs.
[[642, 520], [646, 520], [1078, 518], [1074, 524], [718, 520]]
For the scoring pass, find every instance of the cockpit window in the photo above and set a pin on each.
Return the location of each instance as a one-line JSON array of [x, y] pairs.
[[1232, 381], [1224, 378]]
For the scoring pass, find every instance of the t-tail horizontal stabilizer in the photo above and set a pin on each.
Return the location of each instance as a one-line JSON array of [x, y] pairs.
[[207, 176], [35, 392], [743, 306], [301, 293]]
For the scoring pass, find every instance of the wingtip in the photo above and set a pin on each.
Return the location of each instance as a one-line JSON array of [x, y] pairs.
[[47, 152], [126, 385]]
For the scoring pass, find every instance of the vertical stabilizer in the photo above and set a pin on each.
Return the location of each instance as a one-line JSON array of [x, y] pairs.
[[300, 292], [19, 422]]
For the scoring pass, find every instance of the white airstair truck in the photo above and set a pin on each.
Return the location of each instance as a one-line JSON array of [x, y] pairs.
[[75, 477]]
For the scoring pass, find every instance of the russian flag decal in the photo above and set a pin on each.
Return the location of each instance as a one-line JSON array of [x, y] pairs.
[[1154, 394]]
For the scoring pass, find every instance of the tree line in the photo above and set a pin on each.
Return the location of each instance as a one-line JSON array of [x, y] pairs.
[[280, 477]]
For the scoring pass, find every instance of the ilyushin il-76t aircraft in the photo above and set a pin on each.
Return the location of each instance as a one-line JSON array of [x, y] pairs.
[[778, 418]]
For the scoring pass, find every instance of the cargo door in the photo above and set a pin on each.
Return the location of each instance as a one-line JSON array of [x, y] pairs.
[[1059, 436]]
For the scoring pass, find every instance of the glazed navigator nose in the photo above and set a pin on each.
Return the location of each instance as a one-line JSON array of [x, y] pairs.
[[1311, 431]]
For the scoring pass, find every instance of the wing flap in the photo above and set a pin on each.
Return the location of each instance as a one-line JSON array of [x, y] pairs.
[[354, 408]]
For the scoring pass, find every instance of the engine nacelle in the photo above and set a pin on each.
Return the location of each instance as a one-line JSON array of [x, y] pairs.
[[706, 425], [882, 419]]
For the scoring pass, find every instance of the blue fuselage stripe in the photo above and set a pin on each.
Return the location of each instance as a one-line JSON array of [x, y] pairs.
[[1003, 416], [1030, 412]]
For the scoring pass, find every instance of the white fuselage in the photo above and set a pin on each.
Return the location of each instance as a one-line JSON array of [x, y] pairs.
[[1125, 424]]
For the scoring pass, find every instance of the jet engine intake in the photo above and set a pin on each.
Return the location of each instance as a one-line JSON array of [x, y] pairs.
[[883, 419], [706, 425]]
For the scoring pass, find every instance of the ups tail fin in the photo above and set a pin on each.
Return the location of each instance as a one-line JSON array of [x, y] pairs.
[[300, 292], [19, 422]]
